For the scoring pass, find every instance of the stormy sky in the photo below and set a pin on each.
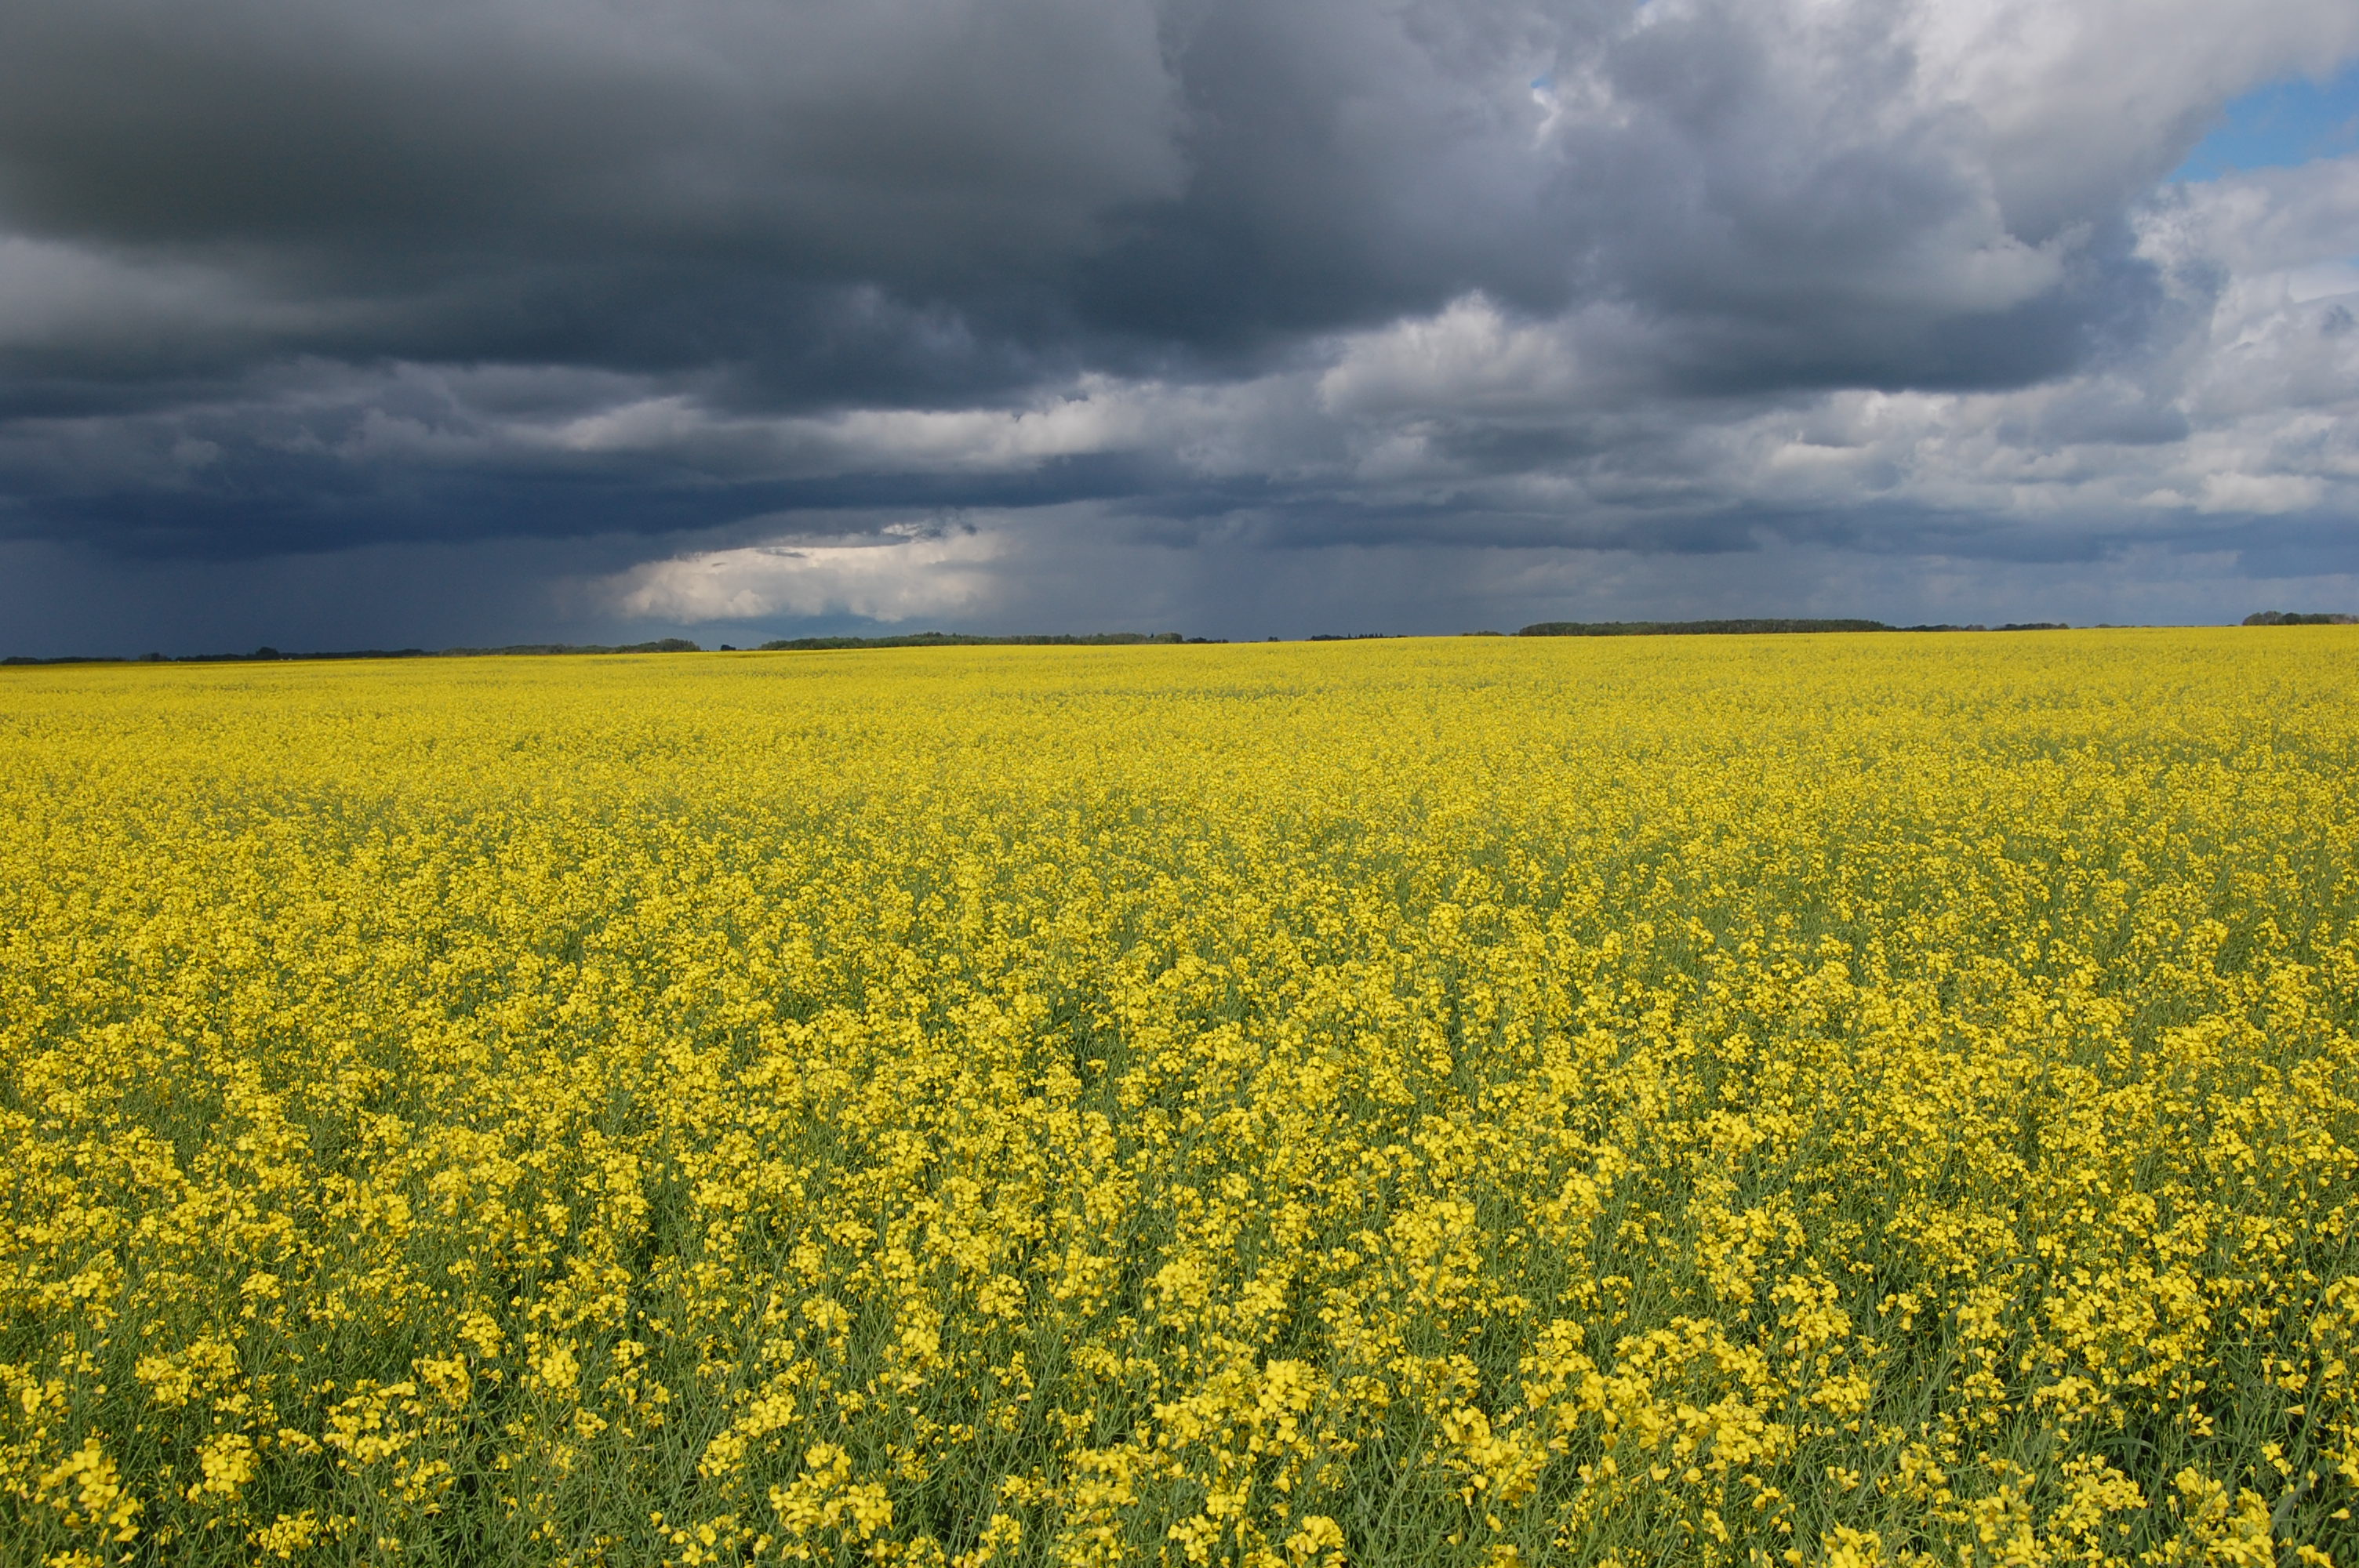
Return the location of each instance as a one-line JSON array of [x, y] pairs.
[[330, 324]]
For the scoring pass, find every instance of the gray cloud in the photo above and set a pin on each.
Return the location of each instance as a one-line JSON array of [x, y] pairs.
[[607, 294]]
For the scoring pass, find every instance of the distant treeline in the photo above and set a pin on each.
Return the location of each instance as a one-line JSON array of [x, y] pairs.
[[965, 640], [1753, 628], [269, 655], [2010, 626], [661, 646], [1690, 628], [1112, 640]]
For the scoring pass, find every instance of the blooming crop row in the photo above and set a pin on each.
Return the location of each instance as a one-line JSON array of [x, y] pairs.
[[1720, 1101]]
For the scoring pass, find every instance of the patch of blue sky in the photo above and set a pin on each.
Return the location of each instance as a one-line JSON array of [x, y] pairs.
[[2279, 126]]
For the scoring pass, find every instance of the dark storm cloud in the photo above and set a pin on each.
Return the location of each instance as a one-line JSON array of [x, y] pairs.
[[278, 277], [832, 202], [856, 203], [861, 142]]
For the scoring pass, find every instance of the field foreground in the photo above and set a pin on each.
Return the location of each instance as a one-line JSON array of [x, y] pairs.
[[1749, 1101]]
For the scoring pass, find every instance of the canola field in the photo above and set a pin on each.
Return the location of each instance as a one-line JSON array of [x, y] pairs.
[[1751, 1101]]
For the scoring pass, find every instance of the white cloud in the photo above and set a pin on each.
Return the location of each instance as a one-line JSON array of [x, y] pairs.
[[2249, 492], [1096, 414], [1470, 359], [2081, 100], [895, 580]]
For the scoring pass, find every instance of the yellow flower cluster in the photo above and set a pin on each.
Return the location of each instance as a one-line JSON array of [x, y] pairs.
[[1758, 1102]]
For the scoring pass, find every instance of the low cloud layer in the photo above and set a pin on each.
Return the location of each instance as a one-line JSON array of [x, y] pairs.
[[1216, 315]]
